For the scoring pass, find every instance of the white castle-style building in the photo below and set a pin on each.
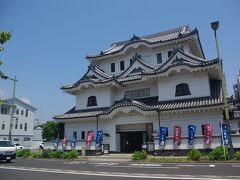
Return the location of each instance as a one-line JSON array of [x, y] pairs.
[[139, 85]]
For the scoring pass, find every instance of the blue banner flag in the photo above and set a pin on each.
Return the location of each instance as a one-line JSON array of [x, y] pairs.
[[99, 138], [56, 141], [73, 142], [162, 135], [191, 133], [224, 132]]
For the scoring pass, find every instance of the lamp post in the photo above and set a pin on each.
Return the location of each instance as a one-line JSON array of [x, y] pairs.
[[12, 105], [215, 26]]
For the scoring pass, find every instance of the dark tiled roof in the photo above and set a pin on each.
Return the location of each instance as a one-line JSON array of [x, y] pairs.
[[145, 104], [161, 37]]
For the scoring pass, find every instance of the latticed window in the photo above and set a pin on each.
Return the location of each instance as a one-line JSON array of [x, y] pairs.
[[182, 90], [92, 101]]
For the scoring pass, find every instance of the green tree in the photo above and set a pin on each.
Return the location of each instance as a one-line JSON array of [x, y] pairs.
[[52, 129], [4, 37]]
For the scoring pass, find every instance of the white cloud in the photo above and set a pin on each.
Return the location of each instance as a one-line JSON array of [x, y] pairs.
[[26, 100]]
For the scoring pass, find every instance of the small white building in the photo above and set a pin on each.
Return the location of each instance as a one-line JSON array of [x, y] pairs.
[[139, 85], [22, 123]]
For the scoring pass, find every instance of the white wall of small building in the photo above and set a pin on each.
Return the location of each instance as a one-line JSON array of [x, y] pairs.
[[21, 136]]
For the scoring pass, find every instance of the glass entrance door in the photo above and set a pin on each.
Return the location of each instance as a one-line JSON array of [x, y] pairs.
[[131, 141]]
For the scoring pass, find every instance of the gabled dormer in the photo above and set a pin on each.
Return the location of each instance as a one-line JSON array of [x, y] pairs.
[[137, 66]]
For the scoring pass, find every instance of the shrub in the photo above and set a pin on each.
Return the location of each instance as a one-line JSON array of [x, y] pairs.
[[237, 155], [218, 154], [69, 154], [52, 154], [24, 153], [194, 155], [37, 154], [139, 155]]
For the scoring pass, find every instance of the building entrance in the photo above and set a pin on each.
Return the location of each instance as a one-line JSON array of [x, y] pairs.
[[131, 141]]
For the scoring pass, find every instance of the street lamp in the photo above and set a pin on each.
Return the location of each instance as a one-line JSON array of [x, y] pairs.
[[215, 26], [12, 106]]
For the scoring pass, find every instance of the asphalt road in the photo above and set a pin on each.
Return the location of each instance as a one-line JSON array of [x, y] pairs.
[[33, 169]]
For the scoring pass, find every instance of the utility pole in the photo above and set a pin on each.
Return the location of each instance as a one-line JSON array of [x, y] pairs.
[[215, 26]]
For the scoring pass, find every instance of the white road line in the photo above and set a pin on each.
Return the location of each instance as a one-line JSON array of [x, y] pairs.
[[116, 174], [148, 165], [99, 163], [195, 165], [138, 167], [236, 166], [75, 162]]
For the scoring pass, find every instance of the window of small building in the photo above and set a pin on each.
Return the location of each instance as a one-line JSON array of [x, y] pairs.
[[159, 58], [16, 126], [15, 139], [26, 139], [26, 113], [21, 126], [112, 67], [83, 135], [22, 112], [122, 65], [182, 90], [92, 101], [25, 127], [169, 53], [4, 110], [17, 111], [3, 126]]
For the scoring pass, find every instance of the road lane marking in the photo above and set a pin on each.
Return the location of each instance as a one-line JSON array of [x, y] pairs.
[[139, 167], [195, 165], [116, 174], [148, 165]]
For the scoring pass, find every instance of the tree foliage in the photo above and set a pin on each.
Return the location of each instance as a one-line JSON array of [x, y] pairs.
[[52, 129], [4, 37]]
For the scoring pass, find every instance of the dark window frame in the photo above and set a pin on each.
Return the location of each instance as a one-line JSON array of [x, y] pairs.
[[75, 134], [22, 112], [169, 53], [3, 126], [122, 65], [83, 135], [182, 89], [92, 101], [159, 58], [112, 67], [4, 110], [25, 127], [26, 113]]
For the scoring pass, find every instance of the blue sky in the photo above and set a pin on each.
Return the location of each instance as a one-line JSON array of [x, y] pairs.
[[50, 39]]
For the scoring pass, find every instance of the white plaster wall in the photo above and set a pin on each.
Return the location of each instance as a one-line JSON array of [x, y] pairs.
[[128, 120], [149, 56], [103, 98], [198, 85]]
